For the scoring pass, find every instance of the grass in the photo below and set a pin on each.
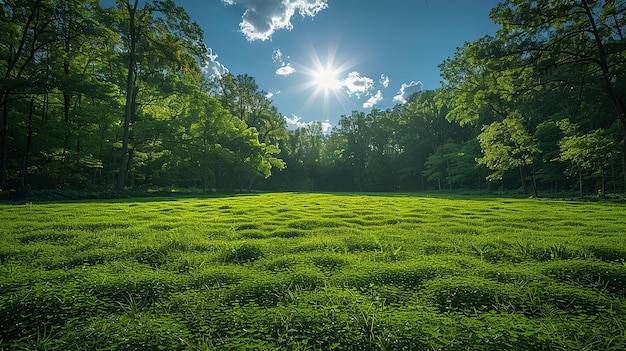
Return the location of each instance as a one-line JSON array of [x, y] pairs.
[[313, 272]]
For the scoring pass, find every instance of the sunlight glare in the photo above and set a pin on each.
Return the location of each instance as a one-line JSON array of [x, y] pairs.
[[326, 79]]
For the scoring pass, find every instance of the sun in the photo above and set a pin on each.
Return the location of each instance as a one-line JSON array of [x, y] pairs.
[[326, 78], [323, 77]]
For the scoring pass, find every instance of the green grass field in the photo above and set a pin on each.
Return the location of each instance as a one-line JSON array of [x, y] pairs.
[[313, 272]]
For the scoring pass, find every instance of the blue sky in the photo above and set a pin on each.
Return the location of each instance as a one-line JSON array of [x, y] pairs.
[[320, 59]]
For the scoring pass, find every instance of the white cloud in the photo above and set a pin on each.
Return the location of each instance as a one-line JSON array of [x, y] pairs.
[[269, 95], [373, 100], [277, 55], [285, 70], [384, 80], [407, 90], [263, 17], [357, 85], [295, 121], [213, 68], [326, 127]]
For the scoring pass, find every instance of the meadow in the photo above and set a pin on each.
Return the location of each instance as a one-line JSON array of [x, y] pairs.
[[292, 271]]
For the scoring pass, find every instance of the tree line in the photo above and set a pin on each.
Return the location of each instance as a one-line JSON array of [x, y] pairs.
[[118, 97], [540, 106], [97, 97]]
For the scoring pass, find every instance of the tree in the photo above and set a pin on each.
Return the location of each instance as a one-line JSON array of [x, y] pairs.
[[72, 66], [423, 128], [507, 145], [592, 151], [483, 84], [159, 39], [26, 28], [453, 163], [579, 44], [354, 129], [77, 75], [304, 156], [549, 168], [241, 96], [208, 131]]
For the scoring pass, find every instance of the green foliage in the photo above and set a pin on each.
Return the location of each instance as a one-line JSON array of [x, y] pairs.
[[71, 68], [78, 65], [506, 145]]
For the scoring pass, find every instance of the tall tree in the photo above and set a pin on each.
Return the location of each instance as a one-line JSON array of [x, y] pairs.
[[243, 98], [159, 39], [508, 145], [580, 44], [132, 39], [593, 151], [454, 164], [77, 73], [26, 28]]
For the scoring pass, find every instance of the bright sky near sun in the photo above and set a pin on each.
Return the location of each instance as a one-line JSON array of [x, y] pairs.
[[320, 59]]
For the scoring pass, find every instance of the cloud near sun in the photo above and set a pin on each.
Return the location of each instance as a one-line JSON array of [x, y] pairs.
[[263, 17], [285, 67], [285, 70], [407, 90], [357, 85], [295, 121], [373, 100]]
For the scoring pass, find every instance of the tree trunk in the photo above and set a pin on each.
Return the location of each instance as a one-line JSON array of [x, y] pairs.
[[29, 142], [67, 97], [580, 181], [534, 182], [623, 120], [4, 154], [602, 185], [130, 77], [616, 99], [613, 180], [523, 180], [532, 177]]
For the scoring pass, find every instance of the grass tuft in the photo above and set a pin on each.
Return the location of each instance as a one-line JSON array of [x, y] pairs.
[[241, 253]]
